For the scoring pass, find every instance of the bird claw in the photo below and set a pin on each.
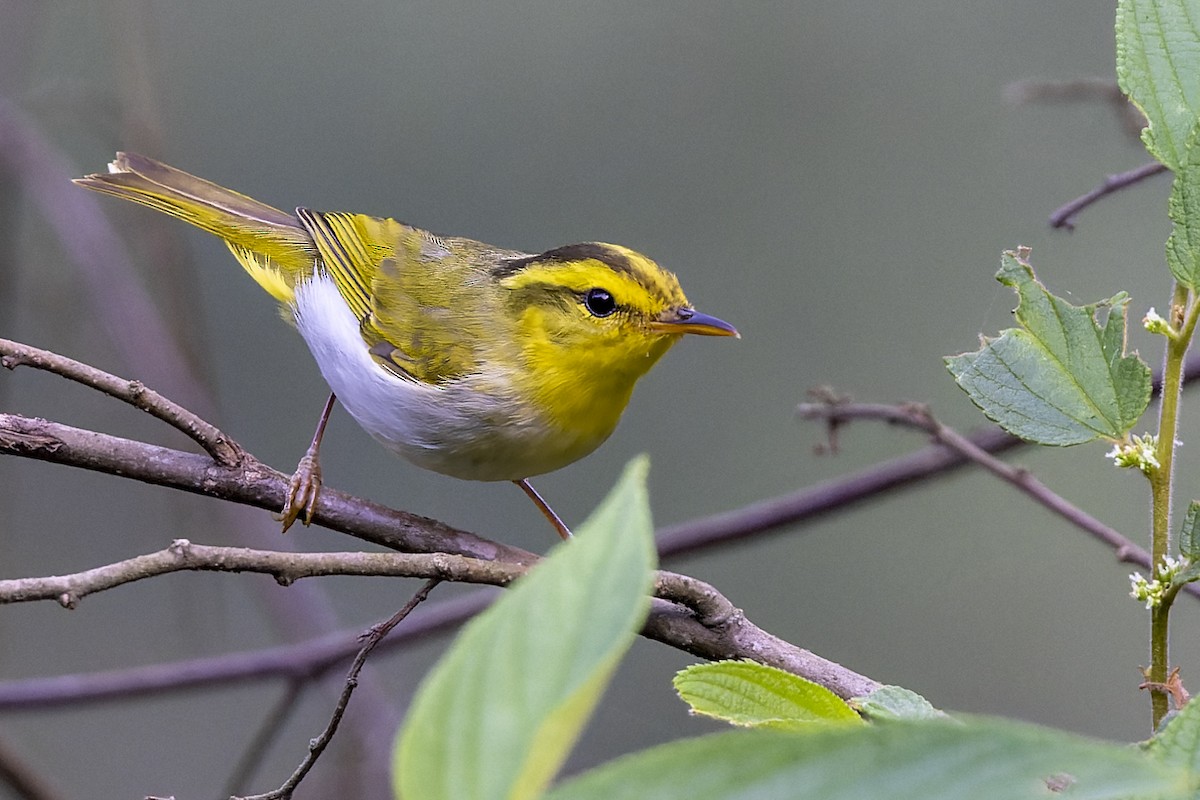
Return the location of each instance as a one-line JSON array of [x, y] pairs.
[[304, 489]]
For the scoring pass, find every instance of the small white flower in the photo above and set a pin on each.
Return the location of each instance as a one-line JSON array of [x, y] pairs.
[[1148, 592], [1170, 567], [1151, 592], [1136, 451], [1156, 324]]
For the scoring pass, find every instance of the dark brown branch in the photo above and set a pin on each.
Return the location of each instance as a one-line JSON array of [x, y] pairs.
[[841, 493], [286, 568], [1064, 215], [254, 484], [738, 638], [303, 661], [1087, 90], [250, 483], [811, 502], [317, 746], [222, 448], [18, 776], [100, 259], [134, 323], [707, 625], [268, 731], [918, 416], [669, 624]]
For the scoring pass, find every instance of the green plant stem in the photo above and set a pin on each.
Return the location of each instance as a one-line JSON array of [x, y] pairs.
[[1161, 487], [1156, 675]]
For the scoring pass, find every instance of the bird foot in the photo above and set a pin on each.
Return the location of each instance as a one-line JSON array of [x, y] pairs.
[[304, 489]]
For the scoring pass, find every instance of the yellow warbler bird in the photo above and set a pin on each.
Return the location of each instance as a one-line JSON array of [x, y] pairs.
[[466, 359]]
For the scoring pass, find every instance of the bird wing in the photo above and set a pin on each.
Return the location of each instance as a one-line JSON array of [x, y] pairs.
[[423, 302]]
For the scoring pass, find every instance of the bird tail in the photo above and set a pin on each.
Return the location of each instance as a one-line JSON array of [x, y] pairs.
[[272, 245]]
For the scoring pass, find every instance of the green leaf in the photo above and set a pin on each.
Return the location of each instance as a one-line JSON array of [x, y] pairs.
[[896, 703], [753, 695], [980, 759], [1062, 378], [1178, 743], [1189, 547], [1189, 536], [1183, 248], [1189, 575], [501, 710], [1158, 67]]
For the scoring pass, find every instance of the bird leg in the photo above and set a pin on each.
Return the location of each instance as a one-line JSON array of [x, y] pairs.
[[545, 508], [305, 486]]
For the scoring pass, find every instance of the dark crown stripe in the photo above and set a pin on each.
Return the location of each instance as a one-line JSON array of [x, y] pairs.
[[613, 259]]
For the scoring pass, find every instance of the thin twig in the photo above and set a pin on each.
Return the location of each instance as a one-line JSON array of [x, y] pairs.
[[670, 625], [250, 483], [1088, 89], [268, 731], [1064, 215], [163, 356], [688, 613], [828, 497], [1040, 90], [286, 568], [306, 660], [223, 449], [101, 260], [318, 745], [20, 777], [842, 493], [1085, 90], [918, 416]]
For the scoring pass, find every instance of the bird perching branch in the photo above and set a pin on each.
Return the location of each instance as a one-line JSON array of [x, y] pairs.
[[688, 614]]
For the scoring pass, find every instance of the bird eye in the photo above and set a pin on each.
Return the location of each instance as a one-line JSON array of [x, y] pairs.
[[599, 302]]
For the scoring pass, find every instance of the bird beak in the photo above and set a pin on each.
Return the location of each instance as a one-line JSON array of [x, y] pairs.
[[686, 320]]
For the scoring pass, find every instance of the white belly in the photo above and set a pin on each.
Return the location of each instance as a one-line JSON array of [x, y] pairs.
[[455, 428]]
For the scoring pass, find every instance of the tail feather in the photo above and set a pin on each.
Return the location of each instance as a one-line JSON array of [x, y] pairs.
[[271, 244]]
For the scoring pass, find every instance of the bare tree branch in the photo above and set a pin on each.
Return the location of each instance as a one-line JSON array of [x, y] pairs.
[[834, 495], [732, 636], [250, 483], [222, 448], [1130, 116], [915, 415], [286, 568], [727, 633], [99, 255], [164, 356], [1087, 90], [268, 731], [709, 625], [317, 746], [302, 661], [842, 492], [1064, 216], [21, 778]]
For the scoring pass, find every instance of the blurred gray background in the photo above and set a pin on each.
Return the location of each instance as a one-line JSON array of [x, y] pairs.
[[836, 179]]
